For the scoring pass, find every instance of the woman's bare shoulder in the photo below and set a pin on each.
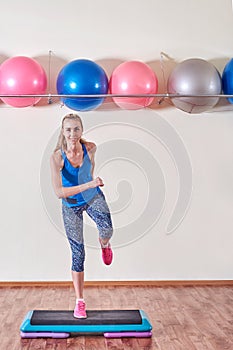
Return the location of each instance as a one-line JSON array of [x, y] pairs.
[[56, 157], [90, 146]]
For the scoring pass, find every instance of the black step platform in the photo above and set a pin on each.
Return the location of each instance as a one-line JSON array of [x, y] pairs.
[[99, 317]]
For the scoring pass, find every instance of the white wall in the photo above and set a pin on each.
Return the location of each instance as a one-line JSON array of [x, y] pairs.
[[168, 143]]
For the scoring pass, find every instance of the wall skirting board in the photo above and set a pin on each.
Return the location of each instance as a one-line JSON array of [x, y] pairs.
[[151, 283]]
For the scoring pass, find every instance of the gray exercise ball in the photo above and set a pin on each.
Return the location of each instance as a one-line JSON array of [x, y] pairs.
[[195, 76]]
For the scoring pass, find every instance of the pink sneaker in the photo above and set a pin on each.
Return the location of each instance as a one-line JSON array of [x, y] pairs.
[[107, 254], [80, 310]]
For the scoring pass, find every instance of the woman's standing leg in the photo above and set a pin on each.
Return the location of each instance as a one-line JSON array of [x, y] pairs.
[[73, 222], [78, 282]]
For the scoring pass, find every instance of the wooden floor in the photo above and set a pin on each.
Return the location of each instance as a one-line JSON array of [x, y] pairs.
[[183, 318]]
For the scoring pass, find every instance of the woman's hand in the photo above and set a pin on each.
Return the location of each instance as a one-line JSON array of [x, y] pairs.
[[96, 182]]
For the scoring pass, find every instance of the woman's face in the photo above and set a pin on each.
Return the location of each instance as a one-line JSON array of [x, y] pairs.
[[72, 130]]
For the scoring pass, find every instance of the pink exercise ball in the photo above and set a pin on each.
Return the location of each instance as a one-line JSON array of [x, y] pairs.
[[133, 77], [22, 75]]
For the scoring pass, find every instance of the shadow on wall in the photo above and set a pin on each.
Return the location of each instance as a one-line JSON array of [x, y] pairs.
[[162, 69], [52, 65], [109, 64], [2, 59]]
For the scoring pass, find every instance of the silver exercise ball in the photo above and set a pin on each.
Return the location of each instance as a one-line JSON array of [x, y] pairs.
[[195, 77]]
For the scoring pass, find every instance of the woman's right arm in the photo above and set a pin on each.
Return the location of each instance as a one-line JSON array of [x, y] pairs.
[[64, 192]]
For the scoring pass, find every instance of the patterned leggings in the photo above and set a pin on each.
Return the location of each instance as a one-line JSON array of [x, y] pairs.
[[98, 210]]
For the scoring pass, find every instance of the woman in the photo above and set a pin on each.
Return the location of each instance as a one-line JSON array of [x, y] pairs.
[[72, 167]]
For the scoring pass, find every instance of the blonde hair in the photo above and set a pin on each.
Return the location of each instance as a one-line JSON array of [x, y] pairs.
[[61, 143]]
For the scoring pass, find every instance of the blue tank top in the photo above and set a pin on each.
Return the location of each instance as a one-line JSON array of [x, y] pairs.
[[72, 176]]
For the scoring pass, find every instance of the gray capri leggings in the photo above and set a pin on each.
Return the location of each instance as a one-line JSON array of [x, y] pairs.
[[99, 212]]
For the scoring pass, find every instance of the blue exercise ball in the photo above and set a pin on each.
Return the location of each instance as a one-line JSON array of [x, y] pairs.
[[227, 80], [82, 77]]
